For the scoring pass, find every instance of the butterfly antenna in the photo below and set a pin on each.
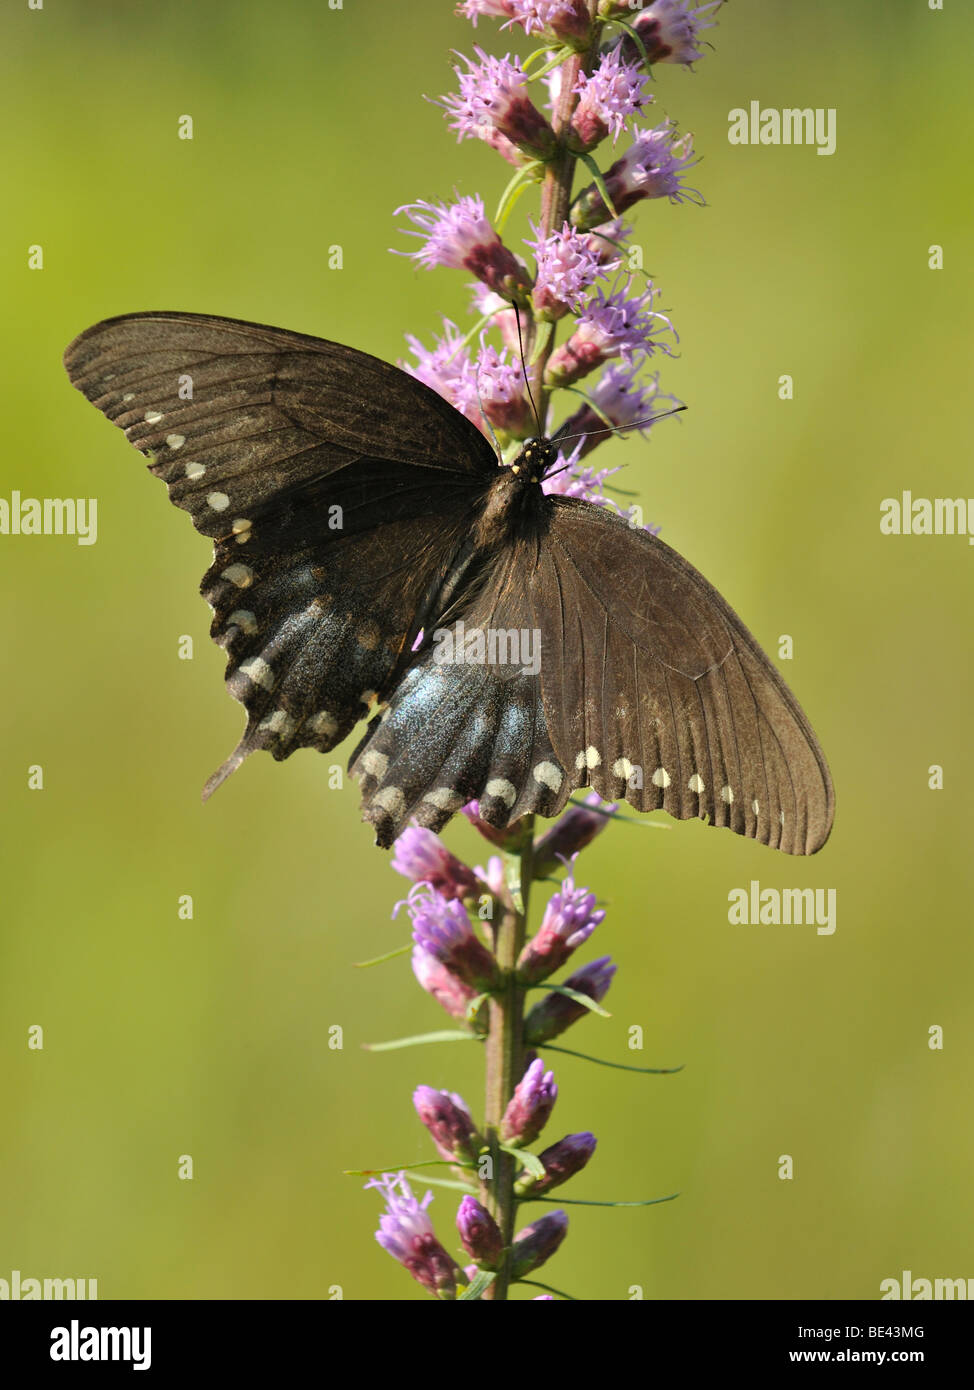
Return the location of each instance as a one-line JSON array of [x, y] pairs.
[[559, 438], [527, 384]]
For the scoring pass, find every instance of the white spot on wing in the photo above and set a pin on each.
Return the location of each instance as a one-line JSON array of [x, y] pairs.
[[258, 671], [503, 790], [324, 722], [219, 501], [696, 784], [241, 529], [727, 794], [129, 396], [240, 575], [375, 763], [152, 417], [589, 757], [175, 441], [280, 723], [661, 778], [445, 798], [390, 799], [195, 470], [755, 808], [549, 775], [245, 620], [623, 768]]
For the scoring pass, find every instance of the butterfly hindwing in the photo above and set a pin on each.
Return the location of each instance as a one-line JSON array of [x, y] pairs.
[[655, 691], [468, 727]]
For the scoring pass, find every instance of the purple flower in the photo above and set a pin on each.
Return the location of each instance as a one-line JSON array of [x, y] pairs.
[[537, 1243], [499, 390], [480, 1234], [570, 834], [610, 325], [442, 928], [530, 1106], [447, 368], [486, 302], [569, 920], [493, 99], [568, 266], [446, 989], [652, 167], [556, 1012], [422, 856], [609, 95], [561, 1162], [605, 240], [567, 479], [668, 29], [406, 1232], [509, 837], [495, 9], [566, 19], [446, 1116], [459, 235]]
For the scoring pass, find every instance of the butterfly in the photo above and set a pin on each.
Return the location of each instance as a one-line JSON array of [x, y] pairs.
[[373, 561]]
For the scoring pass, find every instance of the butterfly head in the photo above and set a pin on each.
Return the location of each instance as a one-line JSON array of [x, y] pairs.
[[535, 459]]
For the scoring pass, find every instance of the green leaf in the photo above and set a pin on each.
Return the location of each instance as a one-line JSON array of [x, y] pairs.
[[560, 56], [447, 1035], [480, 1285], [548, 1289], [531, 1161], [600, 183], [474, 1005], [400, 1167], [377, 960], [575, 994], [636, 38], [452, 1183], [545, 331], [513, 190], [619, 1066], [577, 1202]]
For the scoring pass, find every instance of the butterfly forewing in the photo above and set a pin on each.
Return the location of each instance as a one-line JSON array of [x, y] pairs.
[[336, 489]]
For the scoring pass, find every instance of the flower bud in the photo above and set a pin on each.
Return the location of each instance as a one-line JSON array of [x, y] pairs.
[[479, 1233], [422, 856], [450, 1124], [561, 1161], [574, 830], [447, 990], [556, 1012], [569, 919], [537, 1243], [530, 1106]]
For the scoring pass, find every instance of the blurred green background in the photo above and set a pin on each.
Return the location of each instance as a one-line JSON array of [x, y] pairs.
[[210, 1037]]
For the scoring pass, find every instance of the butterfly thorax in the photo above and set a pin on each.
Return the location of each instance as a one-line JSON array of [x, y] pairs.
[[515, 504]]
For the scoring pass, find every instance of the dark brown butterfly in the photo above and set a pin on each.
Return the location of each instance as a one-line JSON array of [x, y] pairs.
[[372, 558]]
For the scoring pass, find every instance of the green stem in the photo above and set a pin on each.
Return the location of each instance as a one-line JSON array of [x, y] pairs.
[[505, 1049], [556, 191]]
